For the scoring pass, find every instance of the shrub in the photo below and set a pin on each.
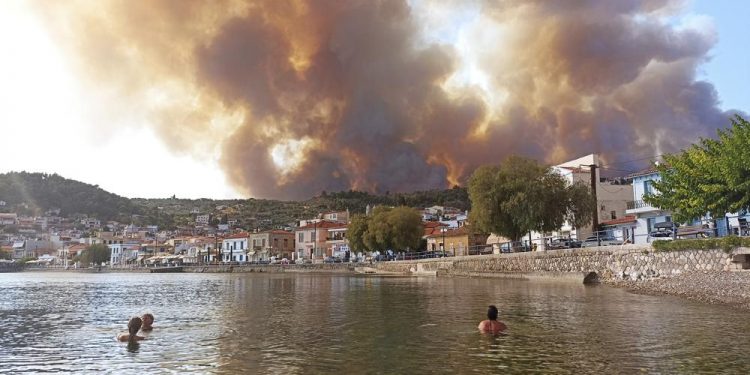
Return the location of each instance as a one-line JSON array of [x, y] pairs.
[[726, 243]]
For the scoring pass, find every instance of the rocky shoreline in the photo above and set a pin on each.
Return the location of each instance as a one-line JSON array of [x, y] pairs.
[[714, 287]]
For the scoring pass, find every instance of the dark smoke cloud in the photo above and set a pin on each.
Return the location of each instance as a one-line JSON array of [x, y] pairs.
[[350, 95]]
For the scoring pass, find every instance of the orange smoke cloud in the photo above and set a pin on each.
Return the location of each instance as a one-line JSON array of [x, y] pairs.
[[304, 96]]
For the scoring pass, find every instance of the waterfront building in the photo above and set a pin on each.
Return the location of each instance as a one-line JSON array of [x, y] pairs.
[[456, 241], [310, 239], [234, 247], [271, 243], [646, 216], [124, 253], [336, 243], [612, 197]]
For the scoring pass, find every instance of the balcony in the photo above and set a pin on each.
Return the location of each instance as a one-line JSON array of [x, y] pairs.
[[639, 206]]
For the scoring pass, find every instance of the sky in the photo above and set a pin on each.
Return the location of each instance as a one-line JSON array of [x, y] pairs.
[[57, 113]]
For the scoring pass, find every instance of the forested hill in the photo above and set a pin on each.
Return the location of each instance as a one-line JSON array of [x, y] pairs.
[[36, 193]]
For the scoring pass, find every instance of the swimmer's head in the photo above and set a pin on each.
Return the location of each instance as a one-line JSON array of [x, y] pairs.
[[134, 325], [148, 319], [492, 312]]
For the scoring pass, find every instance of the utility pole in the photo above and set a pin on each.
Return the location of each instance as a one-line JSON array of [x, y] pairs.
[[595, 218]]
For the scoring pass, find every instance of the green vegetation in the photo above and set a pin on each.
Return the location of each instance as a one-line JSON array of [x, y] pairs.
[[712, 176], [725, 243], [36, 193], [6, 254], [397, 228], [95, 254], [521, 195]]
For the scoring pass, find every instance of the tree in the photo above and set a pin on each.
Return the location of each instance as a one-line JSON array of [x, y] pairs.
[[406, 228], [355, 232], [397, 228], [520, 196], [95, 254], [710, 177]]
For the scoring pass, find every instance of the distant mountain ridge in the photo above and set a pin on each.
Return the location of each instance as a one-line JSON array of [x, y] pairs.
[[36, 193]]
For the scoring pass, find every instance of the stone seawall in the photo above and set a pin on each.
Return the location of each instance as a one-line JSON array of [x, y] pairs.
[[629, 262], [276, 268]]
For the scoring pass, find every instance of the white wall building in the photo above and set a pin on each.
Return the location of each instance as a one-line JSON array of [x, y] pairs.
[[234, 248]]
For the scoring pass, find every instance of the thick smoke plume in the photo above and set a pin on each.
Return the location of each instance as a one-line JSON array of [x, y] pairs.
[[304, 96]]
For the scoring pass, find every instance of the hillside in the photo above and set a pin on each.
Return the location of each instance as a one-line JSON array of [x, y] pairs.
[[35, 193]]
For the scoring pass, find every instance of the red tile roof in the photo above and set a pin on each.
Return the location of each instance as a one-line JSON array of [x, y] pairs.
[[320, 225], [236, 235], [433, 227], [622, 220]]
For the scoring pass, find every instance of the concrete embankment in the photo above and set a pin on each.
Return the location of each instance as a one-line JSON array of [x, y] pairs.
[[703, 275]]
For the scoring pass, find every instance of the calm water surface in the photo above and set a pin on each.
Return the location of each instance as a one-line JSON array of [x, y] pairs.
[[287, 324]]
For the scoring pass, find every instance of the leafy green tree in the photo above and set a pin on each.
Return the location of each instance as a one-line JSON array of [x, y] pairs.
[[520, 196], [710, 177], [405, 228], [397, 228], [95, 254], [355, 232]]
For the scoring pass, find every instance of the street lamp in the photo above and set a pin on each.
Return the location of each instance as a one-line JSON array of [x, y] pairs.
[[315, 240], [443, 231]]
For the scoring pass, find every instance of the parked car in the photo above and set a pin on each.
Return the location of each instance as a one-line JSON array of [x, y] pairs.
[[332, 260], [606, 240], [660, 235], [514, 247], [563, 243]]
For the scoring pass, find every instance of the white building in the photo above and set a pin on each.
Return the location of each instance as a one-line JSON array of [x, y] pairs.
[[202, 219], [234, 248], [123, 253], [611, 198]]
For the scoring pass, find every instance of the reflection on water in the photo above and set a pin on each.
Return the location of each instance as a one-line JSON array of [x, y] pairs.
[[348, 324]]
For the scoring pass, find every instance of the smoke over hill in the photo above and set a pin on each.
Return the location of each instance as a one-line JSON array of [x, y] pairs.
[[304, 96]]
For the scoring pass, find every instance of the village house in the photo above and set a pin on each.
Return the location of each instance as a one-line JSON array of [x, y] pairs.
[[8, 219], [234, 248], [433, 227], [336, 216], [611, 198], [310, 239], [456, 241], [202, 219], [646, 216], [124, 253], [272, 243], [336, 242]]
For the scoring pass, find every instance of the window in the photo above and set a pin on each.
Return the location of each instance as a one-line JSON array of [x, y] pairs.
[[650, 224], [668, 219], [613, 215], [301, 237], [312, 236], [242, 245], [648, 187]]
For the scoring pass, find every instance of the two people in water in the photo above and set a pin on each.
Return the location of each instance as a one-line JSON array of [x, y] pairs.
[[136, 324], [492, 325]]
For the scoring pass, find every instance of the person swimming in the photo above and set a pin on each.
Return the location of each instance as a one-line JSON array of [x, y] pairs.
[[134, 324], [148, 321], [492, 325]]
